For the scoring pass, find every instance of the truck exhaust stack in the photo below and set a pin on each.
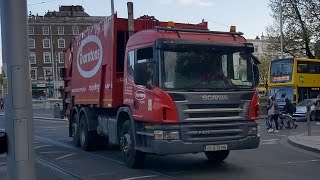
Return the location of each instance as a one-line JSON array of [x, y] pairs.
[[130, 18]]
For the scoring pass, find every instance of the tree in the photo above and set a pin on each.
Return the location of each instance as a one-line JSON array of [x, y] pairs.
[[265, 60], [301, 27]]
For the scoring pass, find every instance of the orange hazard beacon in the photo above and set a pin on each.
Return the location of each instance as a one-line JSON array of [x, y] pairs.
[[163, 88]]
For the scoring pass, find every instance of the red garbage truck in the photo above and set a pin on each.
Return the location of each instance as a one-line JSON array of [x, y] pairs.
[[163, 88]]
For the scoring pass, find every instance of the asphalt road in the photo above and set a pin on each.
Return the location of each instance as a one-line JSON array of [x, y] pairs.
[[274, 159]]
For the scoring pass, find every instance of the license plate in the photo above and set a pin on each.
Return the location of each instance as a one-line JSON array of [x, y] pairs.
[[216, 147]]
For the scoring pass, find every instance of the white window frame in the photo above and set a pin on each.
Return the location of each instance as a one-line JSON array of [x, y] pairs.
[[75, 30], [45, 73], [64, 43], [44, 57], [60, 30], [43, 43], [45, 30], [33, 54], [31, 30], [36, 73], [59, 56], [33, 43]]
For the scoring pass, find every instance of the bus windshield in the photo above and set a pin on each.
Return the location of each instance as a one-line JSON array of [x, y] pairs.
[[281, 93], [281, 71]]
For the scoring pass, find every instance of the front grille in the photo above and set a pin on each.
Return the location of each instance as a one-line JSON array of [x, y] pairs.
[[213, 112], [213, 132]]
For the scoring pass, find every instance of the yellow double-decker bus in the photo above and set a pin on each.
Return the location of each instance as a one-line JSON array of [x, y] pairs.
[[294, 78]]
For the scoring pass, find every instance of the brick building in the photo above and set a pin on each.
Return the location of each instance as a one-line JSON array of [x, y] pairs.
[[49, 35]]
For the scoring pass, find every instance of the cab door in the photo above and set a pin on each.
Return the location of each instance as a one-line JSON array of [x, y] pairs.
[[139, 98]]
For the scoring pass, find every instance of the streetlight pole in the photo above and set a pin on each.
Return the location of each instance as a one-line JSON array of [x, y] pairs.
[[18, 104], [281, 27]]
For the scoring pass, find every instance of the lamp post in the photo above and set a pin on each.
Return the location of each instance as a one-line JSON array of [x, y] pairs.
[[281, 27]]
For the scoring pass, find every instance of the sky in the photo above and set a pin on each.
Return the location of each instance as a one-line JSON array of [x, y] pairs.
[[249, 16]]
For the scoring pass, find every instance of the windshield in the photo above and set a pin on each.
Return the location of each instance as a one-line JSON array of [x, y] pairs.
[[211, 68], [281, 93], [281, 71], [306, 102]]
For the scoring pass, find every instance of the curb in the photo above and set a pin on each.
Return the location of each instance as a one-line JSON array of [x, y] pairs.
[[46, 118], [292, 140]]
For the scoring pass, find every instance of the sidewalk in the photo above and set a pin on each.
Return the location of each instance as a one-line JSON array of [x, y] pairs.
[[42, 172], [310, 143]]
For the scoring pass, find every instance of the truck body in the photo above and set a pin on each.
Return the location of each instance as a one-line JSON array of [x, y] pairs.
[[151, 90]]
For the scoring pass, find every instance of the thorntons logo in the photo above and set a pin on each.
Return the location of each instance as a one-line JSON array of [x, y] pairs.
[[89, 56], [214, 97]]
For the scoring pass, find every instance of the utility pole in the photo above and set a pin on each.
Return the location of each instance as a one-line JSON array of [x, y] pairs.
[[18, 106], [281, 27]]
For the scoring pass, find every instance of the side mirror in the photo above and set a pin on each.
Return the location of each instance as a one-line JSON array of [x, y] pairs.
[[3, 142], [256, 74], [140, 74]]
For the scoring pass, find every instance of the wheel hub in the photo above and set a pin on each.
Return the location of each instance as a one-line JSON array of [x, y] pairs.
[[125, 143]]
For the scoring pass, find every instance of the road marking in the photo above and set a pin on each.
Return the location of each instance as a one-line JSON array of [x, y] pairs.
[[37, 147], [51, 127], [289, 162], [54, 152], [65, 156], [273, 134], [140, 177], [271, 140]]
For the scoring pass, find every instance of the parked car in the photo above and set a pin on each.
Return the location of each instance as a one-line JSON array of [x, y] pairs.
[[301, 113]]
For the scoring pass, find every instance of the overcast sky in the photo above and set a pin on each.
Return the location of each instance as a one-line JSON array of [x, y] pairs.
[[250, 16]]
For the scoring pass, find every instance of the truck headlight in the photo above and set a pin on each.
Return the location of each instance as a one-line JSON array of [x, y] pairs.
[[253, 131], [166, 135]]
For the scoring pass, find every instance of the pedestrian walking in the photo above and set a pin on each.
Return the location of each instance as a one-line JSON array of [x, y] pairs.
[[273, 112]]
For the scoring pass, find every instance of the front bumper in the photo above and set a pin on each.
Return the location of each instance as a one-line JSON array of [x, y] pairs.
[[165, 147]]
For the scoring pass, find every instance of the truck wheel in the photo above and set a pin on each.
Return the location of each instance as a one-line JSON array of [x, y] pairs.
[[133, 158], [86, 137], [217, 156], [75, 131]]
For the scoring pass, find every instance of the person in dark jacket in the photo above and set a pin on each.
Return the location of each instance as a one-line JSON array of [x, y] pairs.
[[289, 108]]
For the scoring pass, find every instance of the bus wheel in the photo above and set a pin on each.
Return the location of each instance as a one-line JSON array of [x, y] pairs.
[[133, 158], [217, 156]]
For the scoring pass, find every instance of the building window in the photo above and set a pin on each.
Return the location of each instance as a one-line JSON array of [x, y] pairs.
[[45, 30], [75, 30], [32, 44], [61, 57], [59, 71], [46, 43], [33, 58], [61, 43], [31, 30], [33, 74], [46, 57], [47, 72], [60, 30]]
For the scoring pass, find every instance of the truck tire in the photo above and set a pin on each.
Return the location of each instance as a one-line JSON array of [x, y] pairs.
[[75, 136], [86, 137], [133, 158], [217, 156]]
